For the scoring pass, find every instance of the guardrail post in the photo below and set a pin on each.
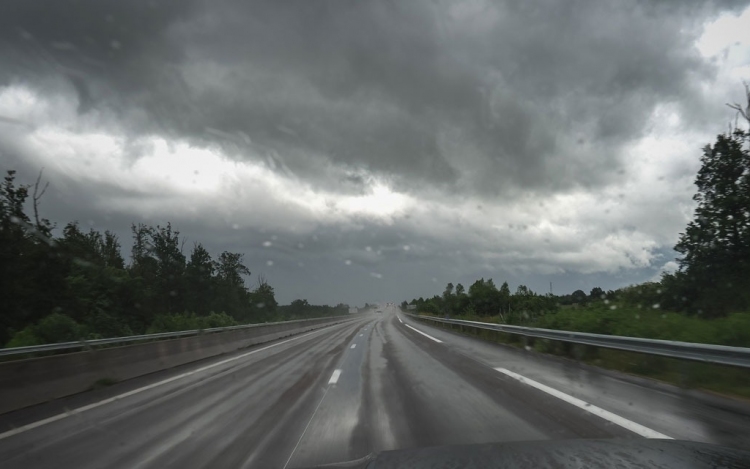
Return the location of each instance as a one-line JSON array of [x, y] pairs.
[[684, 370]]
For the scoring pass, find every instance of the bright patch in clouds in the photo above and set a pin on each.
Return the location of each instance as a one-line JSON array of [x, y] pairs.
[[166, 170], [726, 32], [462, 139]]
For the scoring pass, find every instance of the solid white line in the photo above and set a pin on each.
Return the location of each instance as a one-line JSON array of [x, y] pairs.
[[334, 377], [598, 411], [79, 410], [426, 335], [354, 346]]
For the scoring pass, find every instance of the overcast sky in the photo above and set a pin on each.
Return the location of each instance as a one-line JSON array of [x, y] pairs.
[[375, 150]]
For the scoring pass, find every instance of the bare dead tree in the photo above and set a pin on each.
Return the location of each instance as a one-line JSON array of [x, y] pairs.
[[744, 112], [261, 280], [38, 196]]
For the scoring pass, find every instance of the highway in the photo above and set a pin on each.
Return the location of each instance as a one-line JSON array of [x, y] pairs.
[[379, 382]]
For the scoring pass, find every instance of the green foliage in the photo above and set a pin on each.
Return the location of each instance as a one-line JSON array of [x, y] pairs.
[[78, 285], [301, 309], [484, 299], [650, 322], [715, 247], [52, 329], [188, 322], [263, 302]]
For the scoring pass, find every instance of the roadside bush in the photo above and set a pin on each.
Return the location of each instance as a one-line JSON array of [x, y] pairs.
[[51, 329], [189, 321]]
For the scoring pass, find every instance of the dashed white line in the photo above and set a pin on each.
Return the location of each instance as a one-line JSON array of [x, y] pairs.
[[598, 411], [426, 335], [353, 346], [334, 377], [399, 319], [361, 335]]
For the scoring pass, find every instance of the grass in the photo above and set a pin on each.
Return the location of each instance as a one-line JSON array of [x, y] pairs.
[[733, 330], [103, 383]]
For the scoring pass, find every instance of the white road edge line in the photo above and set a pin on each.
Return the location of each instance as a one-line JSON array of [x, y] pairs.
[[334, 377], [79, 410], [426, 335], [353, 346], [598, 411]]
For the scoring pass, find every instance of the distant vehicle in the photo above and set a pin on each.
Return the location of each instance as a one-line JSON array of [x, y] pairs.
[[379, 311]]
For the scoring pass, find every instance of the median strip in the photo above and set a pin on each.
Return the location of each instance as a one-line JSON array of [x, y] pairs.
[[598, 411], [426, 335], [79, 410]]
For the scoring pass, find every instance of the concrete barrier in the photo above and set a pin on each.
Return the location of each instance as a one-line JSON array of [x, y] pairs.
[[33, 381]]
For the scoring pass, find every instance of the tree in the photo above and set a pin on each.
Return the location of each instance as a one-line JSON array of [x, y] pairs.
[[579, 296], [199, 281], [715, 246], [29, 262], [231, 293], [263, 302], [485, 298], [596, 294], [448, 299], [230, 269], [170, 265]]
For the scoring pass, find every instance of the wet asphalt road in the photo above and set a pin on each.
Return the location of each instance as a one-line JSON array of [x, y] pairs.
[[345, 391]]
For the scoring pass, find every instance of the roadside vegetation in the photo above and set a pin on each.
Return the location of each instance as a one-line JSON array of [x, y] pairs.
[[707, 300], [69, 284]]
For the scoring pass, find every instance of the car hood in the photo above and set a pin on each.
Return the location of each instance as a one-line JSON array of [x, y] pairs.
[[614, 453]]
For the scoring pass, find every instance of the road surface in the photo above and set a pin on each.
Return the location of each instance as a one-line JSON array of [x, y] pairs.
[[380, 382]]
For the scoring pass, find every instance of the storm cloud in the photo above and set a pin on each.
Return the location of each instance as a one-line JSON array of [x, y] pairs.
[[522, 140]]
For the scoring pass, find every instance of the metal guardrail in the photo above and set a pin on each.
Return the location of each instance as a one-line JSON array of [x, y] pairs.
[[719, 354], [86, 344]]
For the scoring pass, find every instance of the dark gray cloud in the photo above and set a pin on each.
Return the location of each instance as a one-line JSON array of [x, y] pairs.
[[542, 95], [499, 104]]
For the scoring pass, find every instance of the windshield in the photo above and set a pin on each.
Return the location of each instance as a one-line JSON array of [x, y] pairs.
[[302, 204]]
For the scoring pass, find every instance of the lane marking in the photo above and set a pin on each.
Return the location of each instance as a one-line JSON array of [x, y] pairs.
[[307, 426], [353, 346], [360, 335], [334, 377], [399, 319], [598, 411], [79, 410], [426, 335]]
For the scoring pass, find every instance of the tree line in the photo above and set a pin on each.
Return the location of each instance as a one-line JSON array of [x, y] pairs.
[[78, 285], [713, 279], [484, 299]]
